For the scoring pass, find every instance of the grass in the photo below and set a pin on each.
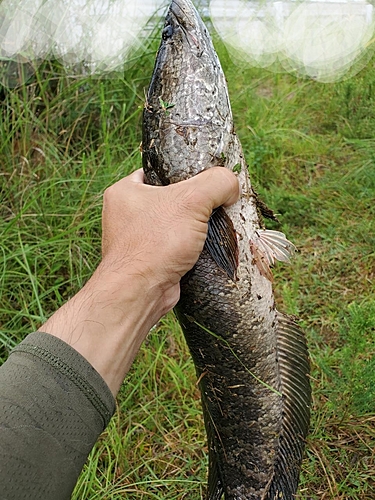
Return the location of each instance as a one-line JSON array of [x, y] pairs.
[[310, 149]]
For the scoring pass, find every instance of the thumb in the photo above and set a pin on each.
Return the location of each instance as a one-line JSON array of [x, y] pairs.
[[137, 176], [216, 186]]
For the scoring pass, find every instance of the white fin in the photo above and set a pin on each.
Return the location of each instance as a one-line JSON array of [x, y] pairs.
[[275, 246]]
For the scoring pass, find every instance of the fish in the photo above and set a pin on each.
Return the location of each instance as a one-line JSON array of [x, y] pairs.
[[251, 361]]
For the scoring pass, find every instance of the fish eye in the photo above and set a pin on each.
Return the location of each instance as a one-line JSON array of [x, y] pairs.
[[167, 32]]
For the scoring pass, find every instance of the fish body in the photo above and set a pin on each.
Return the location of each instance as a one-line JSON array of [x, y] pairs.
[[251, 361]]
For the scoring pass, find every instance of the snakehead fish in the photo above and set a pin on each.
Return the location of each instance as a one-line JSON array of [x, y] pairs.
[[251, 361]]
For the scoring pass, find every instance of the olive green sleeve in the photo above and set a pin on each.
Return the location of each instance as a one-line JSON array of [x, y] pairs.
[[53, 407]]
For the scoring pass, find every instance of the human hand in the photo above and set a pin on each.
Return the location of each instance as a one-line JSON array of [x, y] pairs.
[[158, 232]]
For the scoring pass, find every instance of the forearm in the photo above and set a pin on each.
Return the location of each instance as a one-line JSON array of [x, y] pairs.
[[54, 405], [57, 387], [108, 319]]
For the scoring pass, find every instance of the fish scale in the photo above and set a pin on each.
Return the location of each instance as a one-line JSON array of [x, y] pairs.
[[251, 361], [244, 410]]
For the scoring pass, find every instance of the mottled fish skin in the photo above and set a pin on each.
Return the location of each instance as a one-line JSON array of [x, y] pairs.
[[188, 121], [251, 361]]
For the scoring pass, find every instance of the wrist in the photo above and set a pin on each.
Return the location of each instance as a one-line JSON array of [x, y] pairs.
[[109, 318]]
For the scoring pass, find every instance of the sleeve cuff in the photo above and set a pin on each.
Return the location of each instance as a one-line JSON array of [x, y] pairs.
[[71, 364]]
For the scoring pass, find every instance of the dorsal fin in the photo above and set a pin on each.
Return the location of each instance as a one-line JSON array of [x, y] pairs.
[[215, 488], [295, 387]]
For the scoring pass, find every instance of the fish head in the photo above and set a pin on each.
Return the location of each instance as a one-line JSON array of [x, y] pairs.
[[187, 120], [184, 29]]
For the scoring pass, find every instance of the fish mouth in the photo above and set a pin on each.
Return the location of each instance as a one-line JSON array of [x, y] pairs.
[[184, 11], [186, 17]]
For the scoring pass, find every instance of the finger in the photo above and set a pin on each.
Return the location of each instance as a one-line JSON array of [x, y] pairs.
[[137, 176], [217, 186]]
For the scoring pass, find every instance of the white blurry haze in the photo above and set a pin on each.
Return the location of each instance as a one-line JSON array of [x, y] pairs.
[[318, 38], [98, 32]]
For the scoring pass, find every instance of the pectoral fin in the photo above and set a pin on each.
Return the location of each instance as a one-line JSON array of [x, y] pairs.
[[275, 246], [267, 246], [221, 242]]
